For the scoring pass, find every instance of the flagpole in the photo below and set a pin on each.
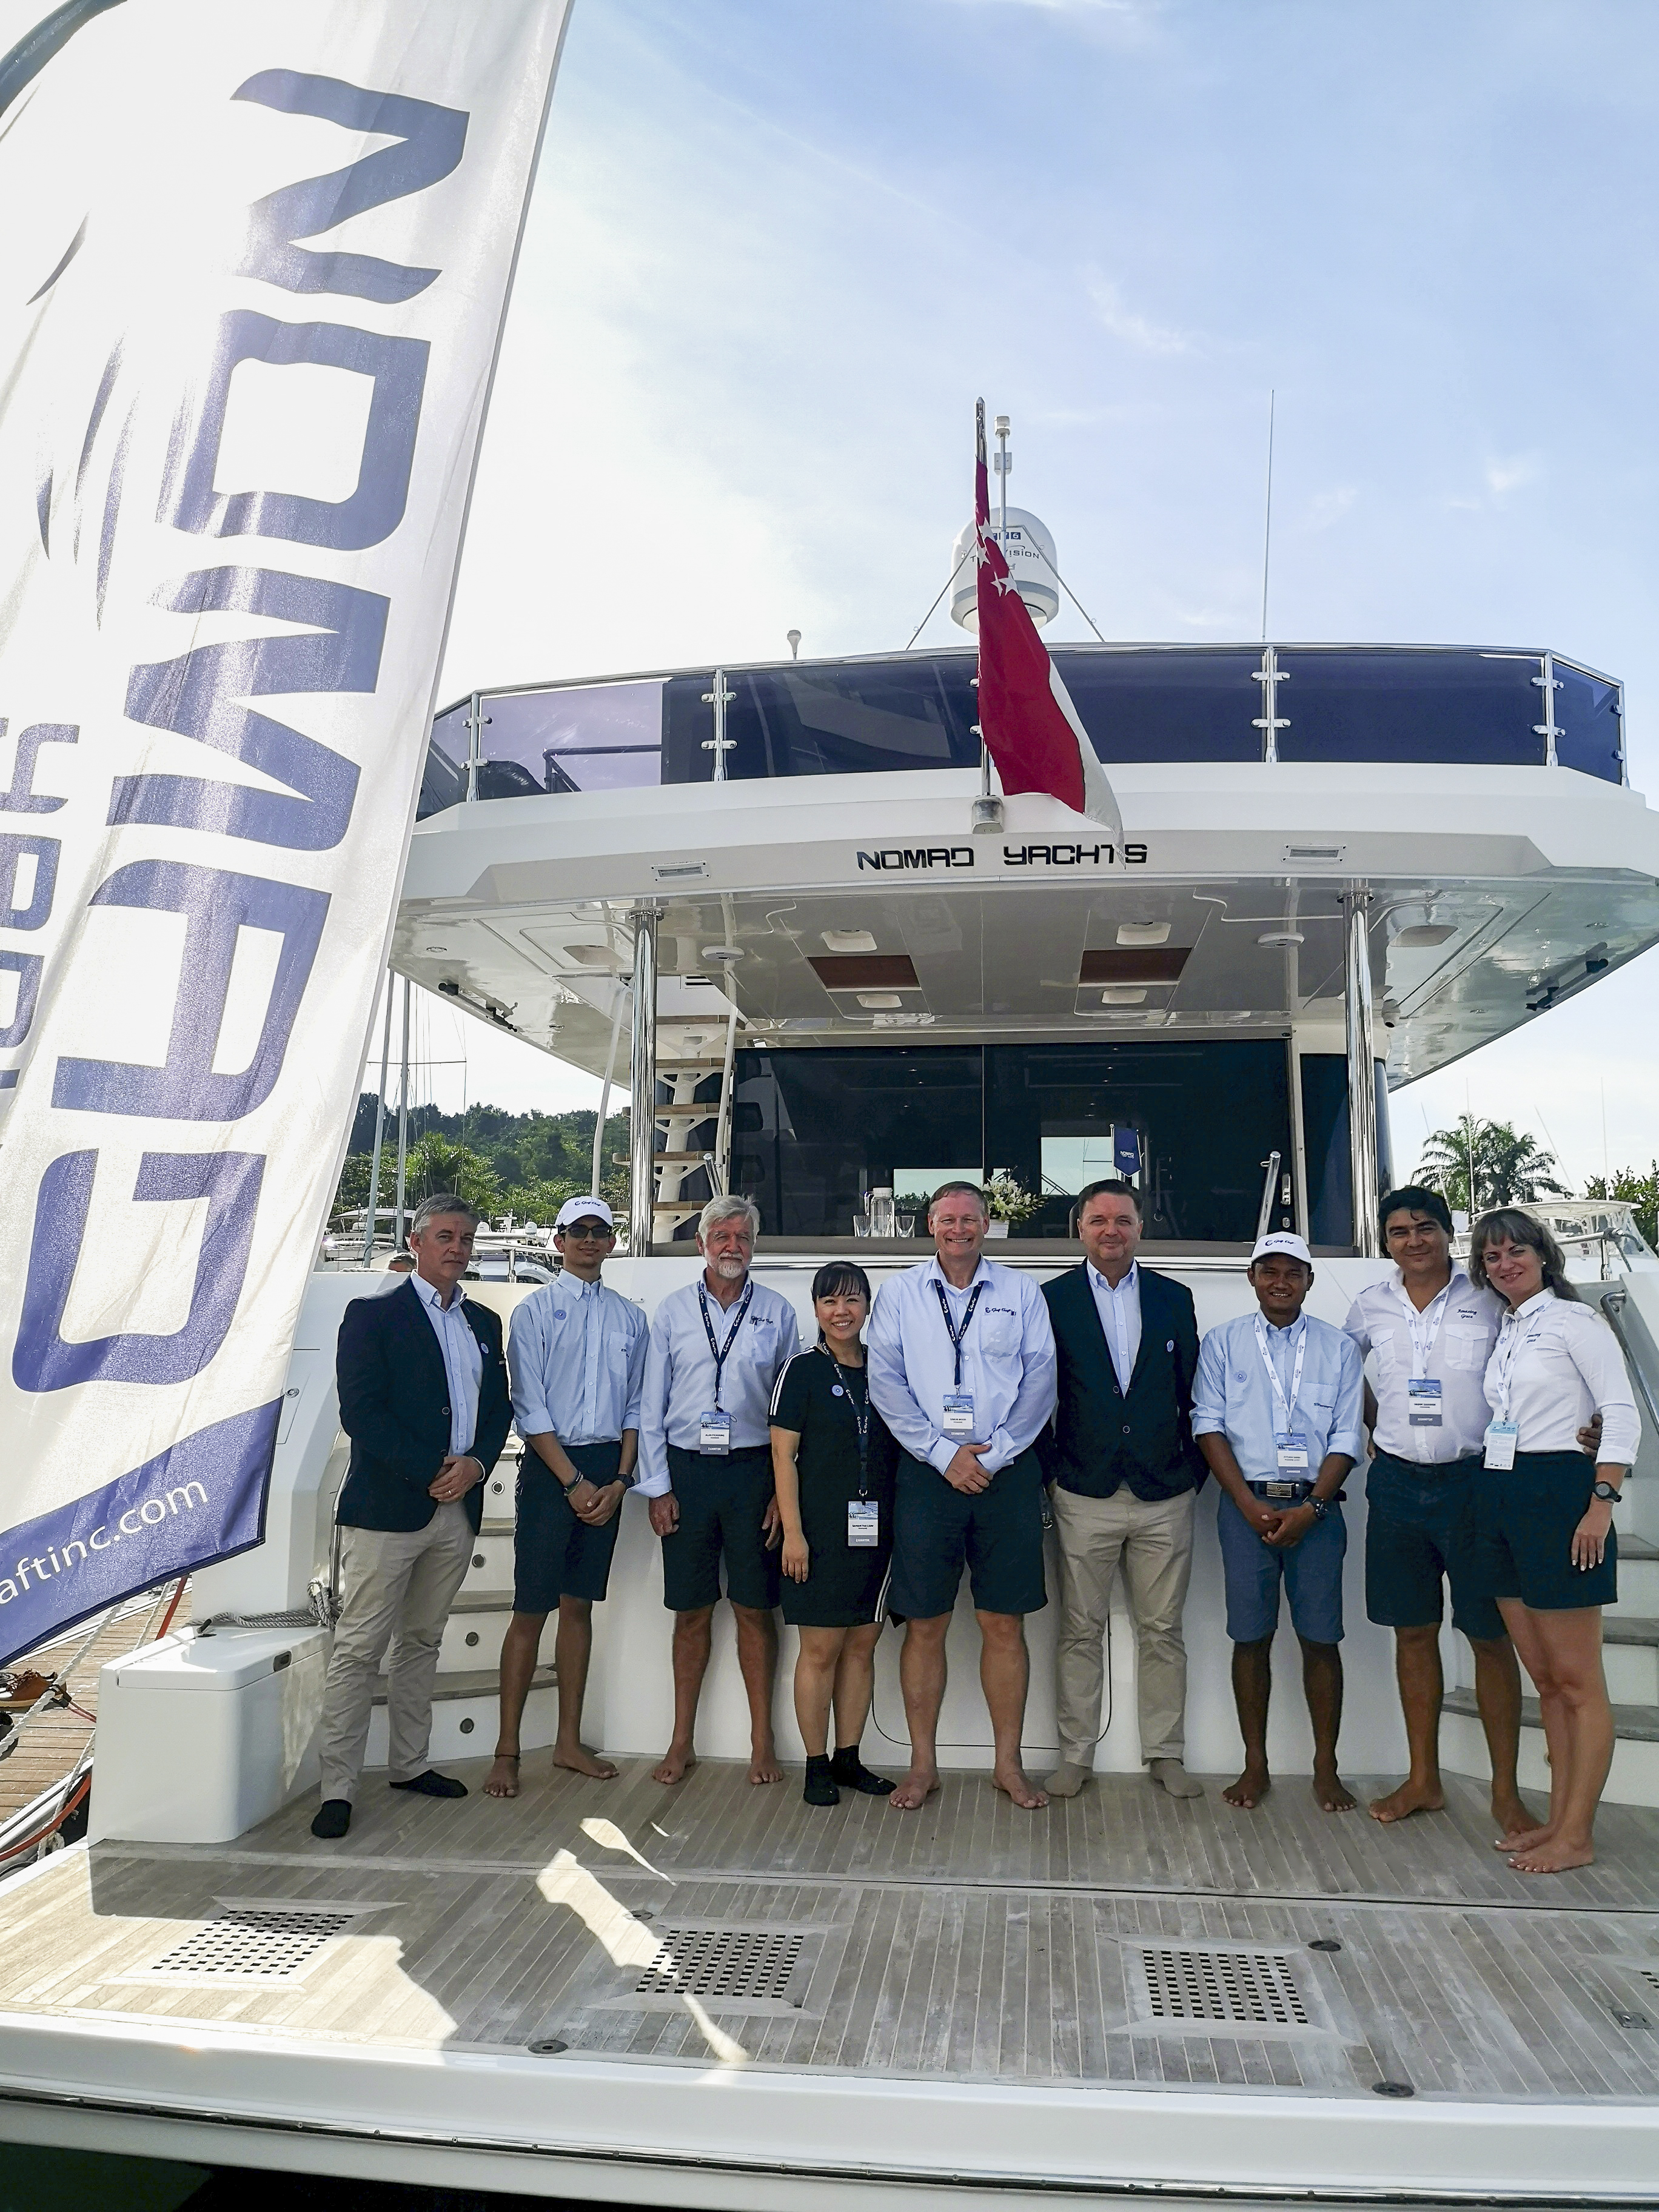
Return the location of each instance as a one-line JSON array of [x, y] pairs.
[[986, 814]]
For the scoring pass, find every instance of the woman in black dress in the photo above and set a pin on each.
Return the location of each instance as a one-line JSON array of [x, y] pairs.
[[833, 1461]]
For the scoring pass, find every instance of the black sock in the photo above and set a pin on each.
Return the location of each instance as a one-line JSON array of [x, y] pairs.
[[848, 1767], [820, 1788]]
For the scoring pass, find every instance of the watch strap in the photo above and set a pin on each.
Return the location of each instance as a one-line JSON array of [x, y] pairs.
[[1606, 1492]]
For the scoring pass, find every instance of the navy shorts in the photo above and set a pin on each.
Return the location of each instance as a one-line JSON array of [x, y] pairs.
[[721, 1497], [997, 1535], [554, 1555], [1524, 1518], [1310, 1574], [1419, 1534]]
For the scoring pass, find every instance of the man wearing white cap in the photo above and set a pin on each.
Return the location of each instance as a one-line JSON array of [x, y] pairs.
[[1277, 1411], [577, 1355]]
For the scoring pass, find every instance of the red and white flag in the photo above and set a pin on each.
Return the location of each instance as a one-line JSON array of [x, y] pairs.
[[1029, 726]]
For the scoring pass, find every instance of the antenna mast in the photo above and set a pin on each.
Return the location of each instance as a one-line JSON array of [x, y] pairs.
[[1267, 530]]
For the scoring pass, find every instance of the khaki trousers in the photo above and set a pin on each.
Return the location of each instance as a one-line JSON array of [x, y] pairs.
[[398, 1586], [1152, 1541]]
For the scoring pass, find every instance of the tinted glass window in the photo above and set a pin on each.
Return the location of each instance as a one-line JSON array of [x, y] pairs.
[[443, 781], [1165, 705], [1055, 1115], [1325, 1141], [812, 1131], [1587, 721], [822, 720], [597, 737], [1356, 706]]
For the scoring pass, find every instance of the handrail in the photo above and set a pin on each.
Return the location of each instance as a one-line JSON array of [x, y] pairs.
[[1612, 1304], [1269, 1189]]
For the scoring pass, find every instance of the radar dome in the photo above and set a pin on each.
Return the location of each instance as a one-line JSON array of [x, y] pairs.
[[1028, 547]]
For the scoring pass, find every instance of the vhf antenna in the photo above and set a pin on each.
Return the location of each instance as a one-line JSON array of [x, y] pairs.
[[1002, 462]]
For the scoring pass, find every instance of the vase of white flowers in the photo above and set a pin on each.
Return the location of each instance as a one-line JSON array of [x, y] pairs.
[[1009, 1201]]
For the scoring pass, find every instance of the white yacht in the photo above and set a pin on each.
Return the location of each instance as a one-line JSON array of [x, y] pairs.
[[782, 903]]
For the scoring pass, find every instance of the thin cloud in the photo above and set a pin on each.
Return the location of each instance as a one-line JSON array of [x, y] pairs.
[[1326, 508], [1114, 314], [1506, 476]]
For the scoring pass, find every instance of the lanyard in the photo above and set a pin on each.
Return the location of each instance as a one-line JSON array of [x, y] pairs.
[[860, 1404], [1509, 1335], [1289, 1403], [1425, 1326], [957, 1335], [723, 1353]]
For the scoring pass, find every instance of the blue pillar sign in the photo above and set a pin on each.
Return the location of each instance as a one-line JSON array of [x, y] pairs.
[[265, 252]]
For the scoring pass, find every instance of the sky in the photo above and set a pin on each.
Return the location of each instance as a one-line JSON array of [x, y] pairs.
[[775, 250]]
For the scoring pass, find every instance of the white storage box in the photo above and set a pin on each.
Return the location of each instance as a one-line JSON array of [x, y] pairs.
[[202, 1737]]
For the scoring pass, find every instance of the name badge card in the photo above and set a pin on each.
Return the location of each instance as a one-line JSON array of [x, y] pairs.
[[1422, 1400], [958, 1419], [1292, 1446], [863, 1523], [1501, 1438], [714, 1433]]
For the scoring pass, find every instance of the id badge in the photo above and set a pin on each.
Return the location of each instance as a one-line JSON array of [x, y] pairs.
[[714, 1433], [958, 1419], [1292, 1446], [863, 1523], [1423, 1402], [1501, 1436]]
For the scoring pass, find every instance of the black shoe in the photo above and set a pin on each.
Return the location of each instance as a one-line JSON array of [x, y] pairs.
[[850, 1770], [820, 1788], [434, 1785], [333, 1819]]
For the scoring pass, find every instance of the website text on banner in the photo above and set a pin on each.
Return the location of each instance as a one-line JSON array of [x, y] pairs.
[[266, 252]]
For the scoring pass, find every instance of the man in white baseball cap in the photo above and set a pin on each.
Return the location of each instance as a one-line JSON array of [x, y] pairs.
[[1277, 1411], [577, 1353]]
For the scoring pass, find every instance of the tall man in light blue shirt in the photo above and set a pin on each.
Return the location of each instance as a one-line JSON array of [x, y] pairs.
[[1277, 1412], [578, 1362], [961, 1369], [717, 1348]]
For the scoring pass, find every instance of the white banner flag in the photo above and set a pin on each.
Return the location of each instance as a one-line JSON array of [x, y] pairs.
[[253, 266]]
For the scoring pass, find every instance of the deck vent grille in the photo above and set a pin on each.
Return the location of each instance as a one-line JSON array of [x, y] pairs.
[[1248, 1989], [722, 1962], [270, 1946], [1650, 1976]]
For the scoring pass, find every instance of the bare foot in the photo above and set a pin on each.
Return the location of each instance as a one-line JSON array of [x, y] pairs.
[[763, 1767], [1410, 1797], [1251, 1787], [1514, 1821], [917, 1787], [580, 1760], [1015, 1784], [1554, 1857], [1332, 1795], [502, 1779], [1524, 1839], [676, 1763]]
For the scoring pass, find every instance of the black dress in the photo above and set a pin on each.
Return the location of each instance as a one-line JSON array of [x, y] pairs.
[[843, 1583]]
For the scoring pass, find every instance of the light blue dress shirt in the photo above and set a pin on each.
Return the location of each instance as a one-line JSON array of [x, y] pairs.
[[1232, 1396], [1120, 1317], [578, 1361], [1007, 1362], [463, 1360], [679, 1375]]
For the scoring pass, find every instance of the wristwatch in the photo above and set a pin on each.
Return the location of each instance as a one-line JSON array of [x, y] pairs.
[[1319, 1506], [1606, 1489]]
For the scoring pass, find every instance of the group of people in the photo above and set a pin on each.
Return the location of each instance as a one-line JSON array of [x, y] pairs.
[[945, 1428]]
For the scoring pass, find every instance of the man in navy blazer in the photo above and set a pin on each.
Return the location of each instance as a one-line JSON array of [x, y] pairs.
[[1125, 1472], [423, 1398]]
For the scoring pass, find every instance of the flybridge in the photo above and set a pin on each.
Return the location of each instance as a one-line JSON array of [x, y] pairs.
[[1394, 705]]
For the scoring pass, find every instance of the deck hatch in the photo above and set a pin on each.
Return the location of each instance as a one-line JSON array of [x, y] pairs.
[[1246, 1988], [716, 1963], [253, 1943]]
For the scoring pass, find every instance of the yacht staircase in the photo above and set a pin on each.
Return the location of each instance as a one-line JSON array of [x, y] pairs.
[[693, 1119]]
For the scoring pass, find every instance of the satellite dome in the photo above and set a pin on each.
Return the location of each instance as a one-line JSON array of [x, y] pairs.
[[1028, 547]]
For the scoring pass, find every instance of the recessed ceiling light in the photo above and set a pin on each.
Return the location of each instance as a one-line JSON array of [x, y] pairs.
[[1143, 932], [1281, 937], [437, 948], [848, 940], [723, 955], [1123, 994], [879, 999]]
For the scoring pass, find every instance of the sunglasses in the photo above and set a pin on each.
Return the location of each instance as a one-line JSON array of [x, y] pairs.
[[587, 1232]]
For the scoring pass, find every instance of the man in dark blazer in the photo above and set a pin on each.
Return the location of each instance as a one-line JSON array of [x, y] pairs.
[[423, 1398], [1125, 1472]]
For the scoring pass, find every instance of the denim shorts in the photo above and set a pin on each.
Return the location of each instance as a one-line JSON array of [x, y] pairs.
[[1310, 1574]]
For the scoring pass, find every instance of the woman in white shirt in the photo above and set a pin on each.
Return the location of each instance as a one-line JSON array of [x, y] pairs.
[[1547, 1551]]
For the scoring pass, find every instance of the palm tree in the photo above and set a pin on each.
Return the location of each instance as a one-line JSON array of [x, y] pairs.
[[1476, 1164], [438, 1163]]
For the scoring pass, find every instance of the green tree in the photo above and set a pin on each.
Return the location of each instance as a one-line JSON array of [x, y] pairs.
[[1477, 1164], [540, 1199], [437, 1163], [1640, 1192], [352, 1192]]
